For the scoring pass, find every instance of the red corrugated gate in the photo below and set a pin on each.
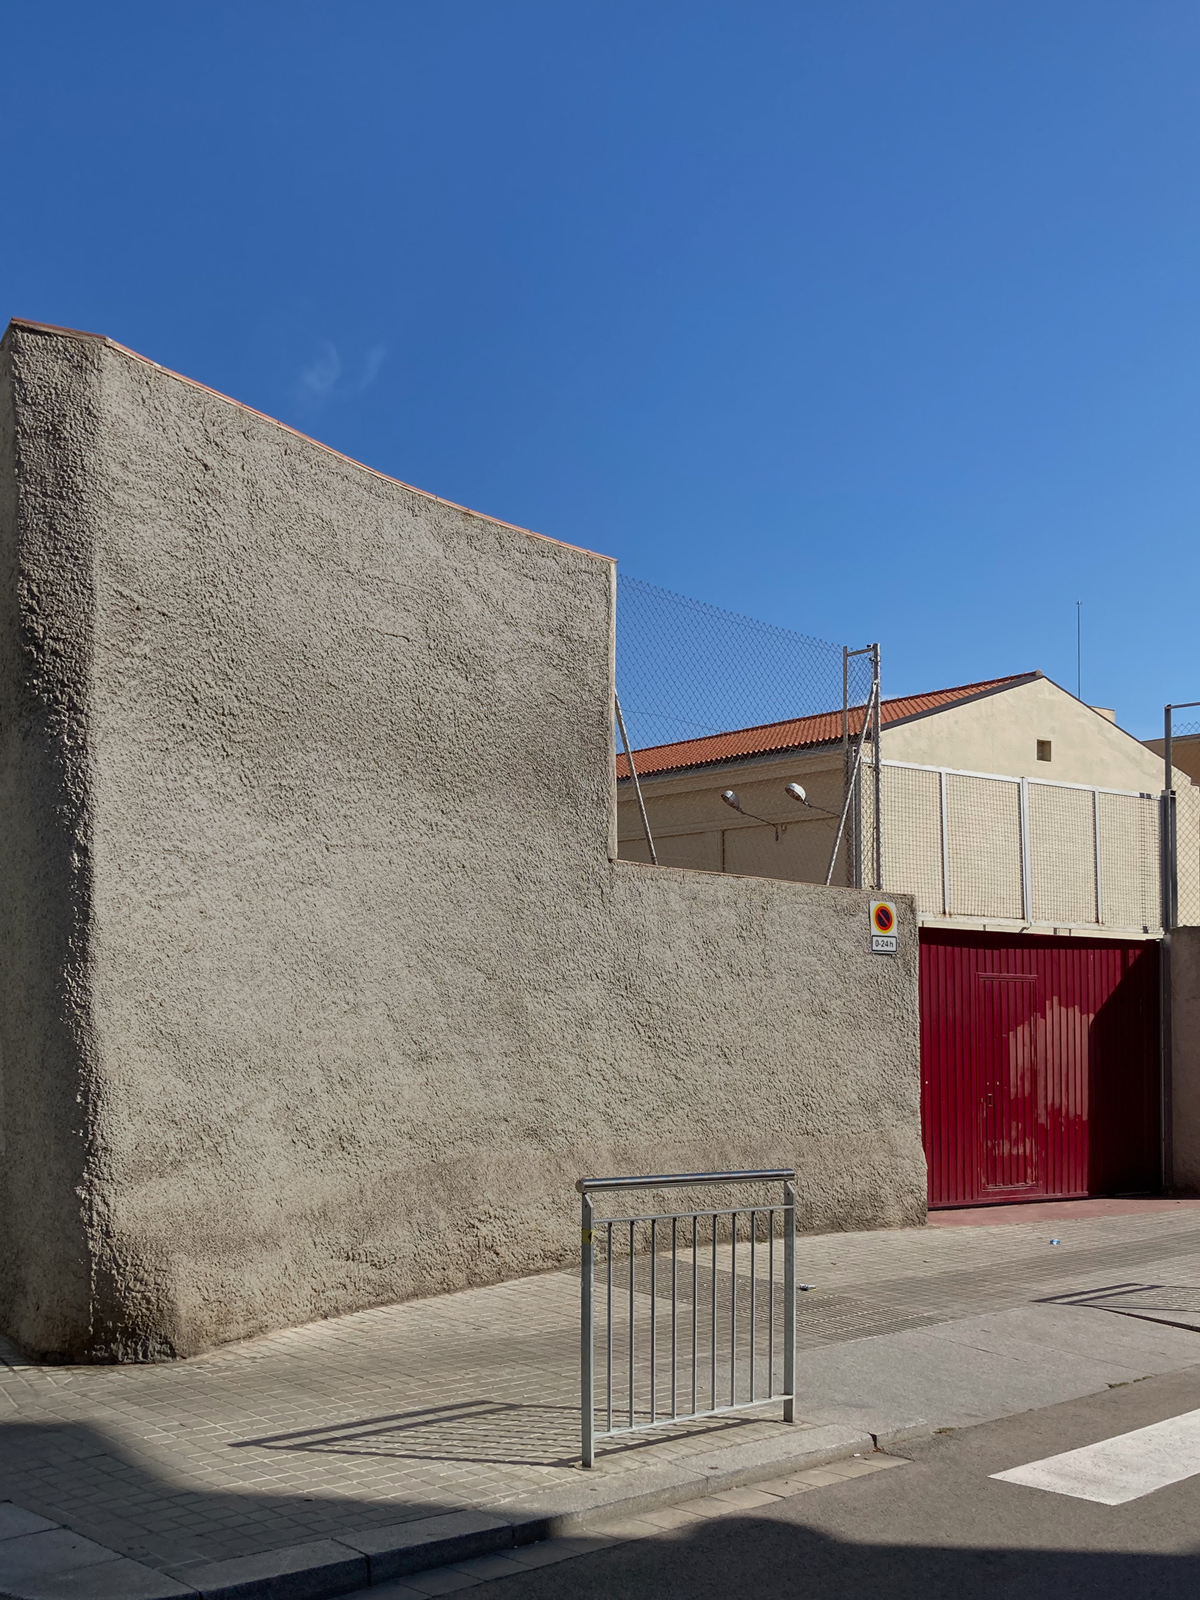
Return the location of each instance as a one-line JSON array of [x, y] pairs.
[[1039, 1067]]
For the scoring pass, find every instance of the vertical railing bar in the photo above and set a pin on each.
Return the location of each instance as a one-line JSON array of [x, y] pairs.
[[771, 1301], [713, 1350], [733, 1310], [631, 1324], [674, 1316], [608, 1246], [695, 1295], [789, 1303], [653, 1317], [587, 1346], [753, 1296]]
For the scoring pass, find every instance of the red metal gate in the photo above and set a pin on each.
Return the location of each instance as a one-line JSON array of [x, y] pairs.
[[1039, 1067]]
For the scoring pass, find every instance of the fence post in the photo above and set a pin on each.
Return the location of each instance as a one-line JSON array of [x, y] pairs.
[[587, 1346], [876, 728], [789, 1302], [1026, 865], [945, 843]]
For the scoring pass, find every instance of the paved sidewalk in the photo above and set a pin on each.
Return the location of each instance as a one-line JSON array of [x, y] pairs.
[[469, 1401]]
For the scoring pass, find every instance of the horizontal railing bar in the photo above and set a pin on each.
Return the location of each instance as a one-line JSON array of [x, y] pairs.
[[694, 1416], [1009, 777], [684, 1180], [665, 1216]]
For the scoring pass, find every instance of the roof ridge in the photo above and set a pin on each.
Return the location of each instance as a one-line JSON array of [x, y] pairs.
[[822, 728]]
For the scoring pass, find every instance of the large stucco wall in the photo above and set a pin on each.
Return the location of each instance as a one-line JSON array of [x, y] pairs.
[[320, 985]]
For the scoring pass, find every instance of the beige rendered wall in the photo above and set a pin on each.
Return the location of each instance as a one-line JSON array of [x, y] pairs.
[[999, 733], [692, 826], [320, 987]]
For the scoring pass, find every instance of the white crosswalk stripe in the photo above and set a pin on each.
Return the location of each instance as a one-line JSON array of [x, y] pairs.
[[1120, 1469]]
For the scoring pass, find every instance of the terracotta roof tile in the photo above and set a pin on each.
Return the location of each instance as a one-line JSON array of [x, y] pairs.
[[823, 728]]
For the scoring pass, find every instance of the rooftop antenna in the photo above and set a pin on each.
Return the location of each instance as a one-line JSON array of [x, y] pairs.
[[1079, 649]]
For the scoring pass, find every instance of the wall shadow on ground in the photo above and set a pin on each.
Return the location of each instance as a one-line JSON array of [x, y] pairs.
[[76, 1475], [79, 1476], [752, 1558]]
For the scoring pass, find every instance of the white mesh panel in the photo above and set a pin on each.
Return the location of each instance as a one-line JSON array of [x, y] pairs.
[[1062, 854], [1129, 861], [985, 846], [912, 835]]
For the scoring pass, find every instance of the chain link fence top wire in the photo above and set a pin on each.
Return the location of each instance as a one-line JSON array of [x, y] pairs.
[[686, 669]]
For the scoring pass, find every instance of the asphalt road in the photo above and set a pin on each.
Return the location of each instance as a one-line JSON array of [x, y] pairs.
[[938, 1526]]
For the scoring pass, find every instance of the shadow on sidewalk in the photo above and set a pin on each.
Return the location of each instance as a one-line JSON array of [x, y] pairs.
[[749, 1558], [166, 1513], [105, 1489], [481, 1432]]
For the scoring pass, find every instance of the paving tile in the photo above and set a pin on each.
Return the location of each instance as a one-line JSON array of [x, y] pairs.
[[109, 1580], [618, 1530], [489, 1567], [16, 1520], [442, 1580], [671, 1517], [548, 1551], [859, 1469], [783, 1488], [744, 1499], [51, 1552]]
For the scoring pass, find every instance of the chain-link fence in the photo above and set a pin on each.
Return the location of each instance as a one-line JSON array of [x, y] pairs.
[[701, 687], [990, 847], [1180, 748], [686, 669]]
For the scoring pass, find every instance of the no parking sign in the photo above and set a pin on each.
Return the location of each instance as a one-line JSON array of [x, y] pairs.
[[884, 939]]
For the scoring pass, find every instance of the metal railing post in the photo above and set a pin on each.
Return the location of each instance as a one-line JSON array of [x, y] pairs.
[[876, 731], [587, 1347], [637, 785], [789, 1302], [1026, 864]]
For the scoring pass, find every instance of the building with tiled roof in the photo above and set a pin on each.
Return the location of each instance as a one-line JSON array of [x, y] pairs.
[[1019, 727]]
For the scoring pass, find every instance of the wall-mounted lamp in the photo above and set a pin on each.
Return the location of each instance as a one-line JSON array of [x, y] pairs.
[[795, 792]]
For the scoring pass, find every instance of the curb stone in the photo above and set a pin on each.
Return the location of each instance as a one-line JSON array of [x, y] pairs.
[[331, 1567]]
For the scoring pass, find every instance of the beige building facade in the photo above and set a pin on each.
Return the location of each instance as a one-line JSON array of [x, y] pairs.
[[1005, 805]]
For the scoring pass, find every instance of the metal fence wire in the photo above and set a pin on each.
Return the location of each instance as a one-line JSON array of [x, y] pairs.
[[685, 1314], [686, 669], [1181, 818]]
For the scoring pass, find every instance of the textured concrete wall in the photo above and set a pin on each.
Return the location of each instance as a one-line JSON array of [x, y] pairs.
[[320, 985], [1183, 952]]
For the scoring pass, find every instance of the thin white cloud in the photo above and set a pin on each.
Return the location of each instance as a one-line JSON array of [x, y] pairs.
[[322, 380]]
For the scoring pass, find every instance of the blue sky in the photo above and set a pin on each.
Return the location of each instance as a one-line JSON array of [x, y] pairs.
[[876, 320]]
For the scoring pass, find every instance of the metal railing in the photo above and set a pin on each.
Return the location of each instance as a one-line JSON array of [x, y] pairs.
[[701, 1367]]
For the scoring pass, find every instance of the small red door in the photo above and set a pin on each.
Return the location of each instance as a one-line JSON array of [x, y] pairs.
[[1009, 1082], [1039, 1067]]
